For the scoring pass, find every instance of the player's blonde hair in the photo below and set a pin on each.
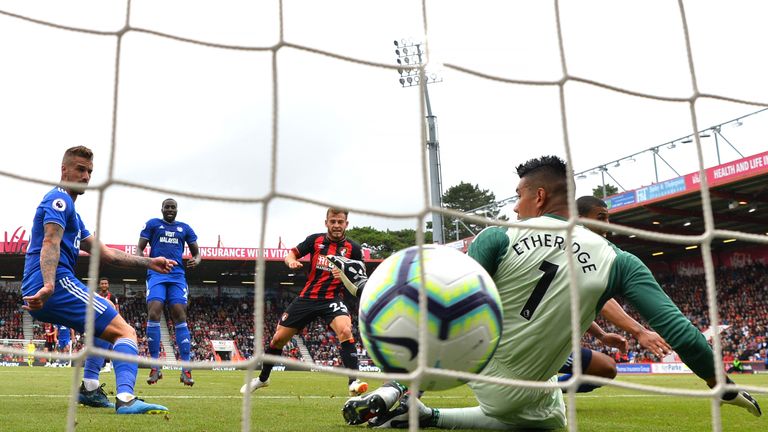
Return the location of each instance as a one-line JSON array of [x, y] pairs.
[[333, 210], [77, 151]]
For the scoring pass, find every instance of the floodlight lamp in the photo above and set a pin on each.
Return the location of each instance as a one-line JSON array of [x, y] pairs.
[[687, 223], [400, 71], [581, 176], [397, 51], [402, 81], [671, 146], [738, 123], [752, 208], [399, 61], [687, 140], [617, 164], [433, 76], [416, 78], [396, 44], [402, 41], [405, 51], [410, 80], [705, 134], [407, 60], [632, 159]]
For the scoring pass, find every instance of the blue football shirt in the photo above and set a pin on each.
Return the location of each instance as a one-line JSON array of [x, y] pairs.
[[56, 207], [64, 335], [167, 240]]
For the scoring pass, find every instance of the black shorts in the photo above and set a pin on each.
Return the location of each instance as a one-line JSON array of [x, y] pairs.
[[50, 346], [303, 311]]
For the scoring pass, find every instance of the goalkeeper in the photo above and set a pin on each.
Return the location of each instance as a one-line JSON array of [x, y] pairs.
[[518, 257]]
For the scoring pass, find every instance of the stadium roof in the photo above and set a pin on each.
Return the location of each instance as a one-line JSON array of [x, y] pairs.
[[739, 197]]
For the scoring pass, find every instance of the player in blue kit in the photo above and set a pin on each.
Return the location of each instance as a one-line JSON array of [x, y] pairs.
[[53, 294], [166, 238], [64, 336]]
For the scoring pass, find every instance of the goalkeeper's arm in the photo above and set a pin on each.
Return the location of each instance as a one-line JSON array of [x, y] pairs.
[[351, 272]]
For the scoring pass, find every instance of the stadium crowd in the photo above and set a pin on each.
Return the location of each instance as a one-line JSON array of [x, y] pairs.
[[742, 299]]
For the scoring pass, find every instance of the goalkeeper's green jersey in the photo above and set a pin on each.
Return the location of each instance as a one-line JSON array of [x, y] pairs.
[[529, 266]]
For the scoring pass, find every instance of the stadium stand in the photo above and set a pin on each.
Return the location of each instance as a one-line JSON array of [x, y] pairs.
[[742, 297], [10, 315], [743, 302]]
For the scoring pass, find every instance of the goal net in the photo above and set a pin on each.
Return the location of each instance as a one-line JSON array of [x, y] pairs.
[[261, 114]]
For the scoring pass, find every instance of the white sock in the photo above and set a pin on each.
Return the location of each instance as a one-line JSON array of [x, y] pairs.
[[90, 384], [390, 394], [125, 397], [468, 418]]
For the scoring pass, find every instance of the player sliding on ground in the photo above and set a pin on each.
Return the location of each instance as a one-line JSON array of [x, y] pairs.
[[518, 258], [53, 294], [321, 297]]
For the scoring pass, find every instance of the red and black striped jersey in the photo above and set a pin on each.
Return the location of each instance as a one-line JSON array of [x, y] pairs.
[[109, 296], [320, 281], [50, 335]]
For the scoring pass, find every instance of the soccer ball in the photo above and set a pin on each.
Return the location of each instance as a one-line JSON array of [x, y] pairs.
[[464, 313]]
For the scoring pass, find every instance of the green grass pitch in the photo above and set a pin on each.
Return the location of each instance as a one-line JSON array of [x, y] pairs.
[[35, 399]]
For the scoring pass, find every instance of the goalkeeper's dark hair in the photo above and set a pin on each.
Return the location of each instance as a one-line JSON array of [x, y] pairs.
[[586, 203], [549, 171]]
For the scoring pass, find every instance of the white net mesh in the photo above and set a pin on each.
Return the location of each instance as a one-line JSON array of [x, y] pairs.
[[266, 96]]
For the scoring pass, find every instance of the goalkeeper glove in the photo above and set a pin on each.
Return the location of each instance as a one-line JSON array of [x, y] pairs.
[[742, 399], [353, 274]]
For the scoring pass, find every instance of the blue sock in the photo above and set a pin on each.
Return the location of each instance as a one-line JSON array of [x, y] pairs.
[[93, 364], [182, 340], [586, 388], [153, 338], [583, 388], [125, 372]]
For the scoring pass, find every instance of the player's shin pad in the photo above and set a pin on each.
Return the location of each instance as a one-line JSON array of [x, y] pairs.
[[353, 274]]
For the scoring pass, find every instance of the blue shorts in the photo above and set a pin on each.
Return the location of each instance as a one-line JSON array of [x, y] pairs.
[[67, 306], [164, 290], [63, 344], [586, 359]]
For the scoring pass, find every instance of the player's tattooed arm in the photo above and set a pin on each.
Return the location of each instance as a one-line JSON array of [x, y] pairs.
[[50, 252], [121, 259], [49, 261]]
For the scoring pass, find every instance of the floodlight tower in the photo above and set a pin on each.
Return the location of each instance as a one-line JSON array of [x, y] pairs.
[[409, 55]]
